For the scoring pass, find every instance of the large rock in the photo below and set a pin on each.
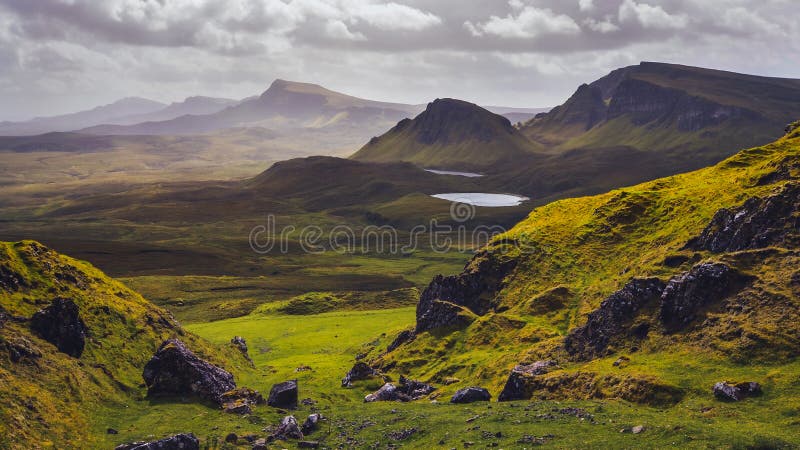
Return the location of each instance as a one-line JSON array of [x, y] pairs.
[[175, 370], [688, 293], [359, 371], [517, 386], [311, 423], [288, 429], [283, 395], [387, 393], [733, 392], [60, 324], [408, 390], [448, 301], [177, 442], [614, 319], [758, 223], [471, 394]]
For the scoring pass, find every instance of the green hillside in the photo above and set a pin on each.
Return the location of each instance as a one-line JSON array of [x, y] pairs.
[[449, 134]]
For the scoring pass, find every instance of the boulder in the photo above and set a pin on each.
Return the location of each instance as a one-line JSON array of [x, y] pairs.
[[517, 386], [686, 294], [260, 444], [614, 319], [175, 370], [388, 392], [288, 429], [406, 391], [231, 438], [360, 371], [414, 389], [241, 400], [759, 222], [471, 394], [177, 442], [283, 395], [311, 424], [60, 324], [733, 392]]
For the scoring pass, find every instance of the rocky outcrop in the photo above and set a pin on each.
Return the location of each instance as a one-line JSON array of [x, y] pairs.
[[687, 294], [175, 370], [283, 395], [177, 442], [21, 350], [614, 319], [402, 338], [448, 301], [10, 280], [288, 429], [758, 223], [470, 395], [241, 345], [733, 392], [60, 324], [517, 386], [360, 371], [241, 400], [408, 390]]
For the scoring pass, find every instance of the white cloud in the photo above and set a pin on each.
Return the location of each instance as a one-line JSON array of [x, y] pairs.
[[529, 22], [338, 30], [601, 26], [586, 5], [393, 16], [650, 16]]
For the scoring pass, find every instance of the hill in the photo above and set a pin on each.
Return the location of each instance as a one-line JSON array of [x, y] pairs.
[[59, 396], [449, 134], [650, 294], [682, 111]]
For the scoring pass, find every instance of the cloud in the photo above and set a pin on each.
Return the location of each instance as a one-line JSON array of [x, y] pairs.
[[650, 16], [529, 22], [586, 5], [393, 16], [338, 30], [601, 26]]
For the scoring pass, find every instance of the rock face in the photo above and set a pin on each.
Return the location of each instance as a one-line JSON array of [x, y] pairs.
[[686, 294], [613, 318], [288, 429], [360, 371], [175, 370], [283, 395], [758, 223], [177, 442], [517, 386], [733, 392], [407, 391], [61, 325], [470, 395], [446, 299]]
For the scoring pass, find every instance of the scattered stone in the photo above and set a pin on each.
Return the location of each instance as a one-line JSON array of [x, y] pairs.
[[303, 368], [177, 442], [308, 444], [407, 391], [577, 412], [516, 387], [471, 394], [360, 371], [308, 402], [621, 361], [241, 344], [402, 338], [637, 429], [450, 380], [231, 438], [175, 370], [288, 429], [60, 324], [401, 434], [283, 395], [535, 440], [613, 319], [733, 392], [686, 294], [473, 419], [241, 400], [260, 444], [111, 431], [237, 406], [415, 389], [22, 350], [311, 423], [10, 280]]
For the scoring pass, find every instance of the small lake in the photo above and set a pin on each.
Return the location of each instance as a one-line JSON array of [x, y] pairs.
[[482, 199], [453, 172]]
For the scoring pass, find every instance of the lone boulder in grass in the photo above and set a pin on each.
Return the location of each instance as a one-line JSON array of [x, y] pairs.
[[283, 395], [471, 394]]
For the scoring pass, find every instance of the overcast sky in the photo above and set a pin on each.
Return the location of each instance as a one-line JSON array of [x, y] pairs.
[[60, 56]]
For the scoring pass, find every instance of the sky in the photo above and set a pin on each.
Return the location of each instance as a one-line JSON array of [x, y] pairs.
[[59, 56]]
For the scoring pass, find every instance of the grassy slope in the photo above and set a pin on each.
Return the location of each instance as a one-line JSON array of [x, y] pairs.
[[57, 399]]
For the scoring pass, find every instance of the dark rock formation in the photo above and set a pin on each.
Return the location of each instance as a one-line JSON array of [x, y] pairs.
[[241, 345], [10, 280], [231, 438], [175, 370], [758, 223], [241, 400], [283, 395], [402, 338], [60, 324], [614, 318], [360, 371], [471, 394], [311, 423], [22, 350], [408, 390], [177, 442], [733, 392], [517, 386], [687, 294], [288, 429]]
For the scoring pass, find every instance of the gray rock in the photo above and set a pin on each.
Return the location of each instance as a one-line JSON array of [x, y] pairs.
[[175, 370], [733, 392], [283, 395], [241, 345], [60, 324], [22, 350], [360, 371], [516, 387], [471, 394], [288, 429], [311, 423], [408, 390], [177, 442]]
